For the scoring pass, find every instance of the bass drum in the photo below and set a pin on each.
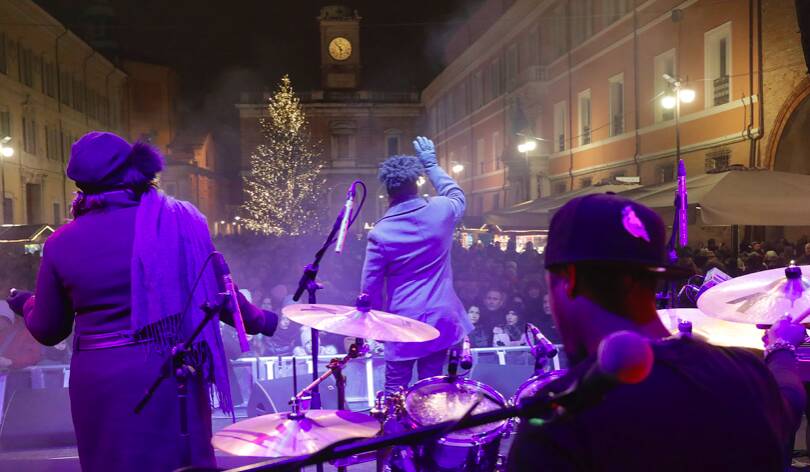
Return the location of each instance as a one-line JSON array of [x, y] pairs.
[[438, 399]]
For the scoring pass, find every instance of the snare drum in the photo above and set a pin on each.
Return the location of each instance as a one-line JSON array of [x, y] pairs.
[[438, 399]]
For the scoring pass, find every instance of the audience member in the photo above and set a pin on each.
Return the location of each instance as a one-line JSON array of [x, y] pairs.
[[18, 349], [492, 308], [479, 336]]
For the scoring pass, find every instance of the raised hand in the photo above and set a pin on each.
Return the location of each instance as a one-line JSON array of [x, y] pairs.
[[425, 151]]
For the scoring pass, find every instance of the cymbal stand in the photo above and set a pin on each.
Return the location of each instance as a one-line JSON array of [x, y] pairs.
[[334, 368]]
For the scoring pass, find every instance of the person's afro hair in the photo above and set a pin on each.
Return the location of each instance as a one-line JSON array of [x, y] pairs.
[[398, 171]]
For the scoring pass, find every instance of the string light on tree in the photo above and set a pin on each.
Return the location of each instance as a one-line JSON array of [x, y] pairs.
[[284, 185]]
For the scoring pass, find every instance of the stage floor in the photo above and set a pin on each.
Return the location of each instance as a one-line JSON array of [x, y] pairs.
[[65, 459]]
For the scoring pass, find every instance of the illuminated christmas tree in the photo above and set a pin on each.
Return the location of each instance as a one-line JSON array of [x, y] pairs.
[[284, 184]]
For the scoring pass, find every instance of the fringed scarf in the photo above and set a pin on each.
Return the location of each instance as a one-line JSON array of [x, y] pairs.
[[172, 244]]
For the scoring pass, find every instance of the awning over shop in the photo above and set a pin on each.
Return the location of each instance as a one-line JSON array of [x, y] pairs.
[[733, 197], [24, 233], [536, 214], [736, 197]]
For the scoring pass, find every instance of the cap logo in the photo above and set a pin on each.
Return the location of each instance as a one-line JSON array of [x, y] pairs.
[[633, 225]]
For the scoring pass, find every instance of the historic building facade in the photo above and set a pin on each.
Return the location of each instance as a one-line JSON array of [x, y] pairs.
[[53, 89], [357, 128], [193, 173], [584, 79]]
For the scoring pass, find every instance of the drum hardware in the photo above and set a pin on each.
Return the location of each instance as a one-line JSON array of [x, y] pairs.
[[389, 405], [531, 388], [710, 329], [308, 281], [334, 368], [431, 401], [437, 399], [417, 436], [289, 434], [540, 347]]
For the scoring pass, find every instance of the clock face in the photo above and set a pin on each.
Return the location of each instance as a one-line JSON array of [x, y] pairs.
[[340, 49]]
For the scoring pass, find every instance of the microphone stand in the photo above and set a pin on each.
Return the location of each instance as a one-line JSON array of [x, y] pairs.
[[176, 364], [307, 283], [684, 326]]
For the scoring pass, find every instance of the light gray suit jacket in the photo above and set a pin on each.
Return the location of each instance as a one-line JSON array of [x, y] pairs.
[[408, 256]]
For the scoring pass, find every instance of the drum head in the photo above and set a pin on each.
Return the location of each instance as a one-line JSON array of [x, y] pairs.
[[438, 399], [530, 387]]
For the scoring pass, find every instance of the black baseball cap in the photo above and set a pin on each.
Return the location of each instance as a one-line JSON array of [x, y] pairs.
[[605, 227]]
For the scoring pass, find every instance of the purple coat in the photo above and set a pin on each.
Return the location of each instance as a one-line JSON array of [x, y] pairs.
[[408, 253], [84, 279]]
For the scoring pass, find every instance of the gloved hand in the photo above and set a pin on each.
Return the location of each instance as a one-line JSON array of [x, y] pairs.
[[16, 300], [785, 331], [425, 151]]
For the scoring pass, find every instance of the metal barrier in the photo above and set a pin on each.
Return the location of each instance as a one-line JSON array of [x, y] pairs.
[[274, 367]]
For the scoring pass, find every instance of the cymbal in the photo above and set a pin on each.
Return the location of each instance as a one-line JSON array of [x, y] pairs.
[[278, 435], [759, 298], [349, 321], [713, 330]]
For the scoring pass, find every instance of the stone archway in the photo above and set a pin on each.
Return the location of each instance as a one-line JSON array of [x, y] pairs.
[[788, 148]]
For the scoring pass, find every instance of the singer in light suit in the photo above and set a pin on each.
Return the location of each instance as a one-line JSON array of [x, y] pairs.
[[407, 269], [118, 276]]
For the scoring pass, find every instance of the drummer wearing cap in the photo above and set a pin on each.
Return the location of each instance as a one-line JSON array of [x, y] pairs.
[[701, 408]]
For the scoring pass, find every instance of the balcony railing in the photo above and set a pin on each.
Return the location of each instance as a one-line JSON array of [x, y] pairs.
[[617, 124], [585, 137], [534, 73], [721, 95]]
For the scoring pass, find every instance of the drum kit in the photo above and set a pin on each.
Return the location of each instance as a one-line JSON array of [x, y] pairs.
[[732, 313]]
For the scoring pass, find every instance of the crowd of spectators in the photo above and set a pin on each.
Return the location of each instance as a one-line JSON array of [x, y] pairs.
[[501, 289], [751, 257]]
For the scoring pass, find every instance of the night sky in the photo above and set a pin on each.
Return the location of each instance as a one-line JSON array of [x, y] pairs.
[[220, 48]]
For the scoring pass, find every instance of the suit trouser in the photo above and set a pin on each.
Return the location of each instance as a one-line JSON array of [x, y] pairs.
[[398, 373]]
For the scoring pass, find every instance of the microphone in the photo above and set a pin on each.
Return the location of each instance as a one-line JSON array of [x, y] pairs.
[[542, 346], [225, 285], [624, 357], [345, 218], [683, 220], [452, 364], [466, 362]]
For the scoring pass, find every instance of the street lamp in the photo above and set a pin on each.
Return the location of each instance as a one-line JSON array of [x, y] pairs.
[[670, 102], [457, 167], [529, 143], [5, 151]]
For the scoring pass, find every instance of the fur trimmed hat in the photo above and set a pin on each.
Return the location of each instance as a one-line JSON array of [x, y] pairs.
[[101, 161]]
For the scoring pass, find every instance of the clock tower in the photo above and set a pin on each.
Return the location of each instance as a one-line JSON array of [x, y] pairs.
[[340, 47]]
